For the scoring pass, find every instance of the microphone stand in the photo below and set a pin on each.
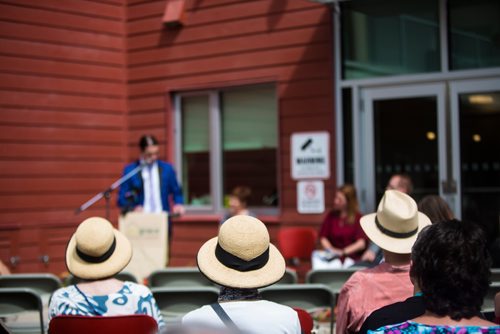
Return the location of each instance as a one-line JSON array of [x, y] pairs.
[[107, 192]]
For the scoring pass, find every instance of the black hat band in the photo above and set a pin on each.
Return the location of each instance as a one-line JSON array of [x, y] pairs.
[[234, 262], [393, 234], [97, 259]]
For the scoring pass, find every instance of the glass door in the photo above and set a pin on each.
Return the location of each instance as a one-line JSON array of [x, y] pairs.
[[402, 131], [475, 106]]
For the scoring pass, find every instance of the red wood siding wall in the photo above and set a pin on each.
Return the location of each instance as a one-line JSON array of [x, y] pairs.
[[81, 81], [225, 43], [62, 120]]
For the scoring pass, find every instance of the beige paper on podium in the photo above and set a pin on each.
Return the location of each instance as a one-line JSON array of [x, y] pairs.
[[148, 234]]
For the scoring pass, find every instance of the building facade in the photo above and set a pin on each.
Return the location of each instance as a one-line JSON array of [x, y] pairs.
[[398, 86]]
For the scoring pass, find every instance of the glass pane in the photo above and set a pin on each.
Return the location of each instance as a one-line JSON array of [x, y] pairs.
[[406, 142], [480, 161], [195, 151], [474, 33], [347, 128], [250, 137], [389, 37]]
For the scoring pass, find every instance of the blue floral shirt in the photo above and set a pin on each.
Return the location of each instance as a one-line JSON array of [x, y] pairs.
[[413, 327], [132, 298]]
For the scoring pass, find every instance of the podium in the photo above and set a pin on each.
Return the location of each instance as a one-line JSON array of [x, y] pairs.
[[148, 234]]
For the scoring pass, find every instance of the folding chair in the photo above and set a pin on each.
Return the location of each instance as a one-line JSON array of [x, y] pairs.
[[178, 277], [304, 296], [489, 300], [43, 284], [175, 302], [122, 276], [306, 321], [296, 244], [290, 277], [124, 324], [21, 303], [495, 275], [333, 278]]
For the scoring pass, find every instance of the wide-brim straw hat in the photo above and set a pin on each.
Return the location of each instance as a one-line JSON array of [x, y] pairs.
[[396, 224], [241, 256], [97, 250]]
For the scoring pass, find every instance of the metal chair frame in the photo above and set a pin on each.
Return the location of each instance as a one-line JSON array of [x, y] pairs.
[[19, 300], [178, 277], [305, 296]]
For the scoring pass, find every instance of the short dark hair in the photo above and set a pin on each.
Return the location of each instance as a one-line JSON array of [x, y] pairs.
[[406, 182], [147, 140], [451, 264], [242, 193]]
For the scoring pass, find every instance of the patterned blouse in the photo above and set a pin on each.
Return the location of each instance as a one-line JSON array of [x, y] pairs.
[[413, 327], [132, 298]]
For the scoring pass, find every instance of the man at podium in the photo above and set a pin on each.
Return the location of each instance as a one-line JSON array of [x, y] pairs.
[[149, 190]]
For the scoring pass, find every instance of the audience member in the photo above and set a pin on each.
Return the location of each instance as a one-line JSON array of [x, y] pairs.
[[4, 270], [373, 254], [241, 260], [451, 267], [341, 237], [394, 228], [400, 182], [95, 253], [238, 201], [397, 312], [435, 208]]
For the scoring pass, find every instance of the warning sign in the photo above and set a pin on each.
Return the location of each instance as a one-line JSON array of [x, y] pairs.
[[310, 197], [310, 155]]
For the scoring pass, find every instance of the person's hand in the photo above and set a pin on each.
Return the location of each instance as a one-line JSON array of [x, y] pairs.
[[178, 209], [138, 208], [335, 251], [368, 255]]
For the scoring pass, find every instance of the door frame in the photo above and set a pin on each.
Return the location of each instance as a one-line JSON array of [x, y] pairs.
[[456, 88], [364, 152]]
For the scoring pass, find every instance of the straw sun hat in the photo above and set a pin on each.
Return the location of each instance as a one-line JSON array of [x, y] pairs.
[[241, 256], [97, 250], [396, 224]]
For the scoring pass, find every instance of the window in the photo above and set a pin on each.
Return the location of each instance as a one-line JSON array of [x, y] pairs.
[[474, 34], [389, 37], [228, 138]]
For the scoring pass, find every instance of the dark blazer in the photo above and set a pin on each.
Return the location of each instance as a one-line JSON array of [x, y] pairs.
[[131, 192]]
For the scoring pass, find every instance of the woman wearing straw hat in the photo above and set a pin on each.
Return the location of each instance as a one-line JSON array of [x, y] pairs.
[[241, 259], [95, 253]]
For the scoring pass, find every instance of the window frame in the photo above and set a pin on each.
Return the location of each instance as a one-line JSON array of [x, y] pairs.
[[216, 148]]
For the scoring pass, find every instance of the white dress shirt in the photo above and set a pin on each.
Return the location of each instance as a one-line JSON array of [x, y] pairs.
[[152, 193]]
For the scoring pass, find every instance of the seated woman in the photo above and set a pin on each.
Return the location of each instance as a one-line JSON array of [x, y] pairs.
[[341, 236], [95, 253], [450, 267], [238, 203], [241, 259]]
